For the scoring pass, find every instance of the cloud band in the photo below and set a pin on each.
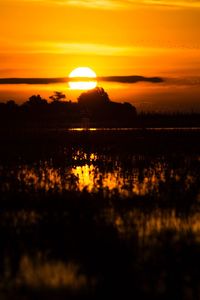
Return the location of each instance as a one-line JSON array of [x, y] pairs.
[[118, 79]]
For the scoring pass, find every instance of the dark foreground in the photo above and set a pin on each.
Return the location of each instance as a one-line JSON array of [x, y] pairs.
[[100, 215]]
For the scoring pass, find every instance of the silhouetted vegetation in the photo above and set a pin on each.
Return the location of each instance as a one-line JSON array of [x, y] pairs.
[[94, 105], [93, 109], [100, 214]]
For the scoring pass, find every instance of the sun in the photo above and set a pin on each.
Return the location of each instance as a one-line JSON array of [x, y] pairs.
[[83, 78]]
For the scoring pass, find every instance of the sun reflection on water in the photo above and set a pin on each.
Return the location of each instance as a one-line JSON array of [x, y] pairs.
[[94, 172], [91, 178]]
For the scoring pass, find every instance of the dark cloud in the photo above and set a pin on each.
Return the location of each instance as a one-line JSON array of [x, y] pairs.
[[131, 79], [31, 80], [119, 79]]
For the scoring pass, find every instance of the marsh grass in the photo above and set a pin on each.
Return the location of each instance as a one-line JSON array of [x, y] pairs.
[[100, 214]]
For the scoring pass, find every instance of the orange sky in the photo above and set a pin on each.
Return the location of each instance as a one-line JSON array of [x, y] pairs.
[[49, 38]]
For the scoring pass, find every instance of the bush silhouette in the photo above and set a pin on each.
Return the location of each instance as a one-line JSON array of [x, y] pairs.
[[94, 97]]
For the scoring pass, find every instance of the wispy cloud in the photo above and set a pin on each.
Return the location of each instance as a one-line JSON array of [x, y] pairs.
[[119, 4], [176, 3], [46, 47], [184, 81], [98, 49], [103, 4], [49, 47], [115, 4]]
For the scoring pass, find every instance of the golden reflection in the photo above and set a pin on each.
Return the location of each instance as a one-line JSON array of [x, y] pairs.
[[148, 225], [50, 274], [86, 177], [46, 178], [82, 156], [90, 172], [82, 129], [89, 177]]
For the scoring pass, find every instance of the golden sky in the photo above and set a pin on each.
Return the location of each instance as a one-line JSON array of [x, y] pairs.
[[49, 38]]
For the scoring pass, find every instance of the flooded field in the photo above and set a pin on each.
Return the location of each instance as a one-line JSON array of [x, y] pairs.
[[100, 213]]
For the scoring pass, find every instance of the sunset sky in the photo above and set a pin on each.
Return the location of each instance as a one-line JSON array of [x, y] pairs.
[[49, 38]]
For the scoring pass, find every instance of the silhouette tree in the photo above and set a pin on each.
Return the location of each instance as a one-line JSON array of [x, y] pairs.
[[95, 96], [36, 100], [57, 97], [11, 104], [96, 105]]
